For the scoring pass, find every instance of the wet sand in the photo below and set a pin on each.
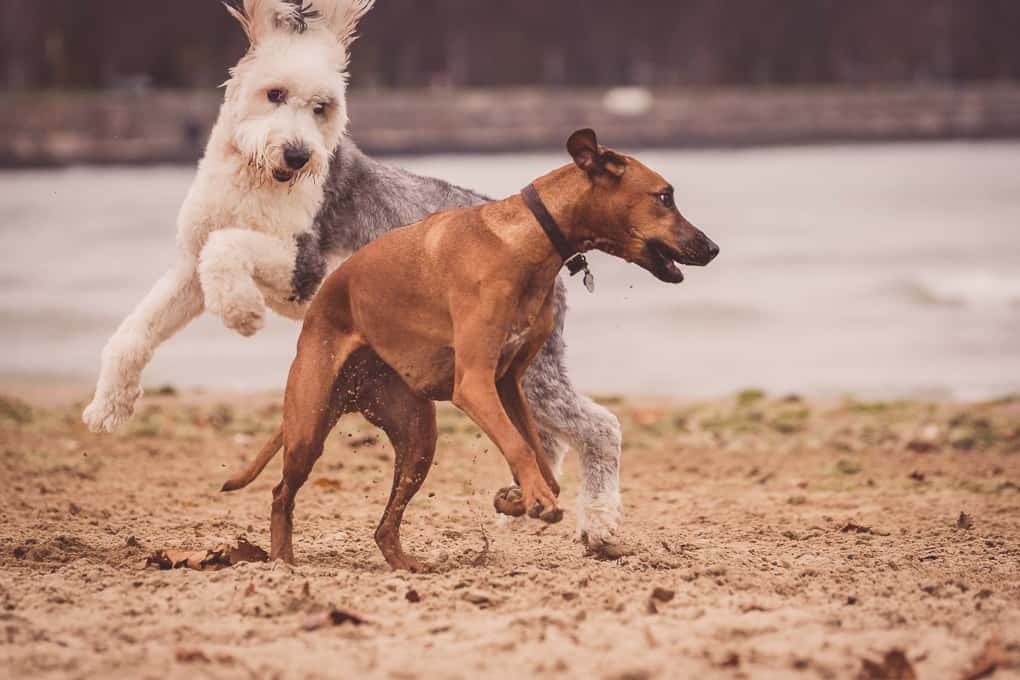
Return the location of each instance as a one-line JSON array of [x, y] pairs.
[[771, 537]]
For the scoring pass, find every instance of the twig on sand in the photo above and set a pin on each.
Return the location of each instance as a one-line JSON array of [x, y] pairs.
[[483, 556]]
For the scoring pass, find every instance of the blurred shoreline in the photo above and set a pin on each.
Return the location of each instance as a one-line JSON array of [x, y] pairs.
[[883, 270], [51, 129]]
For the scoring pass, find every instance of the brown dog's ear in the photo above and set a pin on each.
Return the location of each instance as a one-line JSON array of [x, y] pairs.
[[583, 147], [612, 162], [592, 158]]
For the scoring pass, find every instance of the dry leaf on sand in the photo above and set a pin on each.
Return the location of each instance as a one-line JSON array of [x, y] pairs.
[[245, 552], [663, 594], [191, 655], [993, 656], [220, 557], [893, 666], [854, 528], [334, 617]]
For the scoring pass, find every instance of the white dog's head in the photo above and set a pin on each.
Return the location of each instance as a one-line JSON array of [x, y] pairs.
[[285, 99]]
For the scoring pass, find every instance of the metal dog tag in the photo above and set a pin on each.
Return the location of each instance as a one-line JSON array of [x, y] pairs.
[[589, 281]]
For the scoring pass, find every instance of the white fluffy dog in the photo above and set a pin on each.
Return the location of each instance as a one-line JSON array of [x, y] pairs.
[[258, 189]]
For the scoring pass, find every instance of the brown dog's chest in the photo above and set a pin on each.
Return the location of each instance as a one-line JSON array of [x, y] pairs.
[[530, 327], [515, 343], [429, 368]]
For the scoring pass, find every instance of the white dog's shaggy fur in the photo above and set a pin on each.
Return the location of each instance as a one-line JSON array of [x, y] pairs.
[[258, 188]]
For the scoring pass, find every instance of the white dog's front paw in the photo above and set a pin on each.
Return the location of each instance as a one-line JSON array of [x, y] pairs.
[[107, 411], [243, 310], [232, 296], [247, 322]]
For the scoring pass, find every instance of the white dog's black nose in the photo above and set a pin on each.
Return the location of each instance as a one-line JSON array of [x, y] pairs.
[[296, 157]]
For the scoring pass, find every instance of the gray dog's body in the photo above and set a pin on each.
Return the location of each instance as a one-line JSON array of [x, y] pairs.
[[364, 198]]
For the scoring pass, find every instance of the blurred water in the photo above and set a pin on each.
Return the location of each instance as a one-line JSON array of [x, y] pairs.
[[889, 270]]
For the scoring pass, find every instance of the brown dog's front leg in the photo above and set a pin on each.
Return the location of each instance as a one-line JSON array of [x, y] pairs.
[[476, 395], [510, 500], [517, 408]]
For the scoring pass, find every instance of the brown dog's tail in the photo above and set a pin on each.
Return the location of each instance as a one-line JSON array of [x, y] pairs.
[[252, 471]]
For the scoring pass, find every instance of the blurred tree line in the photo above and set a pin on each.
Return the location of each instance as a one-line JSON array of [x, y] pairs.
[[85, 44]]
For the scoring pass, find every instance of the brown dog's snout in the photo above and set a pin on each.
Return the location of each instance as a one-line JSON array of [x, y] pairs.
[[690, 246], [710, 249], [696, 247]]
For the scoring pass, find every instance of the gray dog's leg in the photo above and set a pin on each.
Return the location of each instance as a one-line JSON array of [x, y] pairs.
[[565, 417]]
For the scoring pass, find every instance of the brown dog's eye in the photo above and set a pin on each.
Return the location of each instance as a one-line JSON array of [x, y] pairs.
[[276, 96], [666, 199]]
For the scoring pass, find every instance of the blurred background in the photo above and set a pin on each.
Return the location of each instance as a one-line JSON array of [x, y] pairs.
[[857, 162]]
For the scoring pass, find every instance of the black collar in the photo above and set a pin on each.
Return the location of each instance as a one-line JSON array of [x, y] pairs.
[[572, 257]]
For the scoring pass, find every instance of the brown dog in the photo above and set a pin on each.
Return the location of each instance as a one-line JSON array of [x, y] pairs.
[[455, 307]]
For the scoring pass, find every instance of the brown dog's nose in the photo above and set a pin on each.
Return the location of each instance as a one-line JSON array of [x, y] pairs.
[[712, 249]]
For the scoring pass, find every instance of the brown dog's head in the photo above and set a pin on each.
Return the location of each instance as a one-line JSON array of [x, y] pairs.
[[633, 214]]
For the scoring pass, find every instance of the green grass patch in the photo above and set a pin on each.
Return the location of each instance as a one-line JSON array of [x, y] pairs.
[[875, 407], [164, 390], [149, 423], [845, 466], [1004, 400], [790, 421], [749, 396], [15, 410], [967, 432], [737, 422]]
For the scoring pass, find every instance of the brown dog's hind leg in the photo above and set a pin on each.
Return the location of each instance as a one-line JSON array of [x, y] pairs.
[[311, 407], [410, 423]]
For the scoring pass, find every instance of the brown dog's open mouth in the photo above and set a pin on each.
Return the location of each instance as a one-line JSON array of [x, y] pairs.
[[283, 175], [664, 259]]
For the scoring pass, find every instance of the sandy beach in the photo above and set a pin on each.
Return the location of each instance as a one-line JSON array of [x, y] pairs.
[[771, 537], [820, 470]]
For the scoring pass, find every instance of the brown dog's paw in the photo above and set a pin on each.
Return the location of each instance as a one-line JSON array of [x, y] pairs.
[[552, 515], [509, 501]]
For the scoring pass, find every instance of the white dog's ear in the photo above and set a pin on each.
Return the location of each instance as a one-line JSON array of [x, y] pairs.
[[259, 17], [342, 16]]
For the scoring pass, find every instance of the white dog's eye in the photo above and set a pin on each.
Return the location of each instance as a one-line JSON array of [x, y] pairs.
[[319, 109], [276, 95]]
